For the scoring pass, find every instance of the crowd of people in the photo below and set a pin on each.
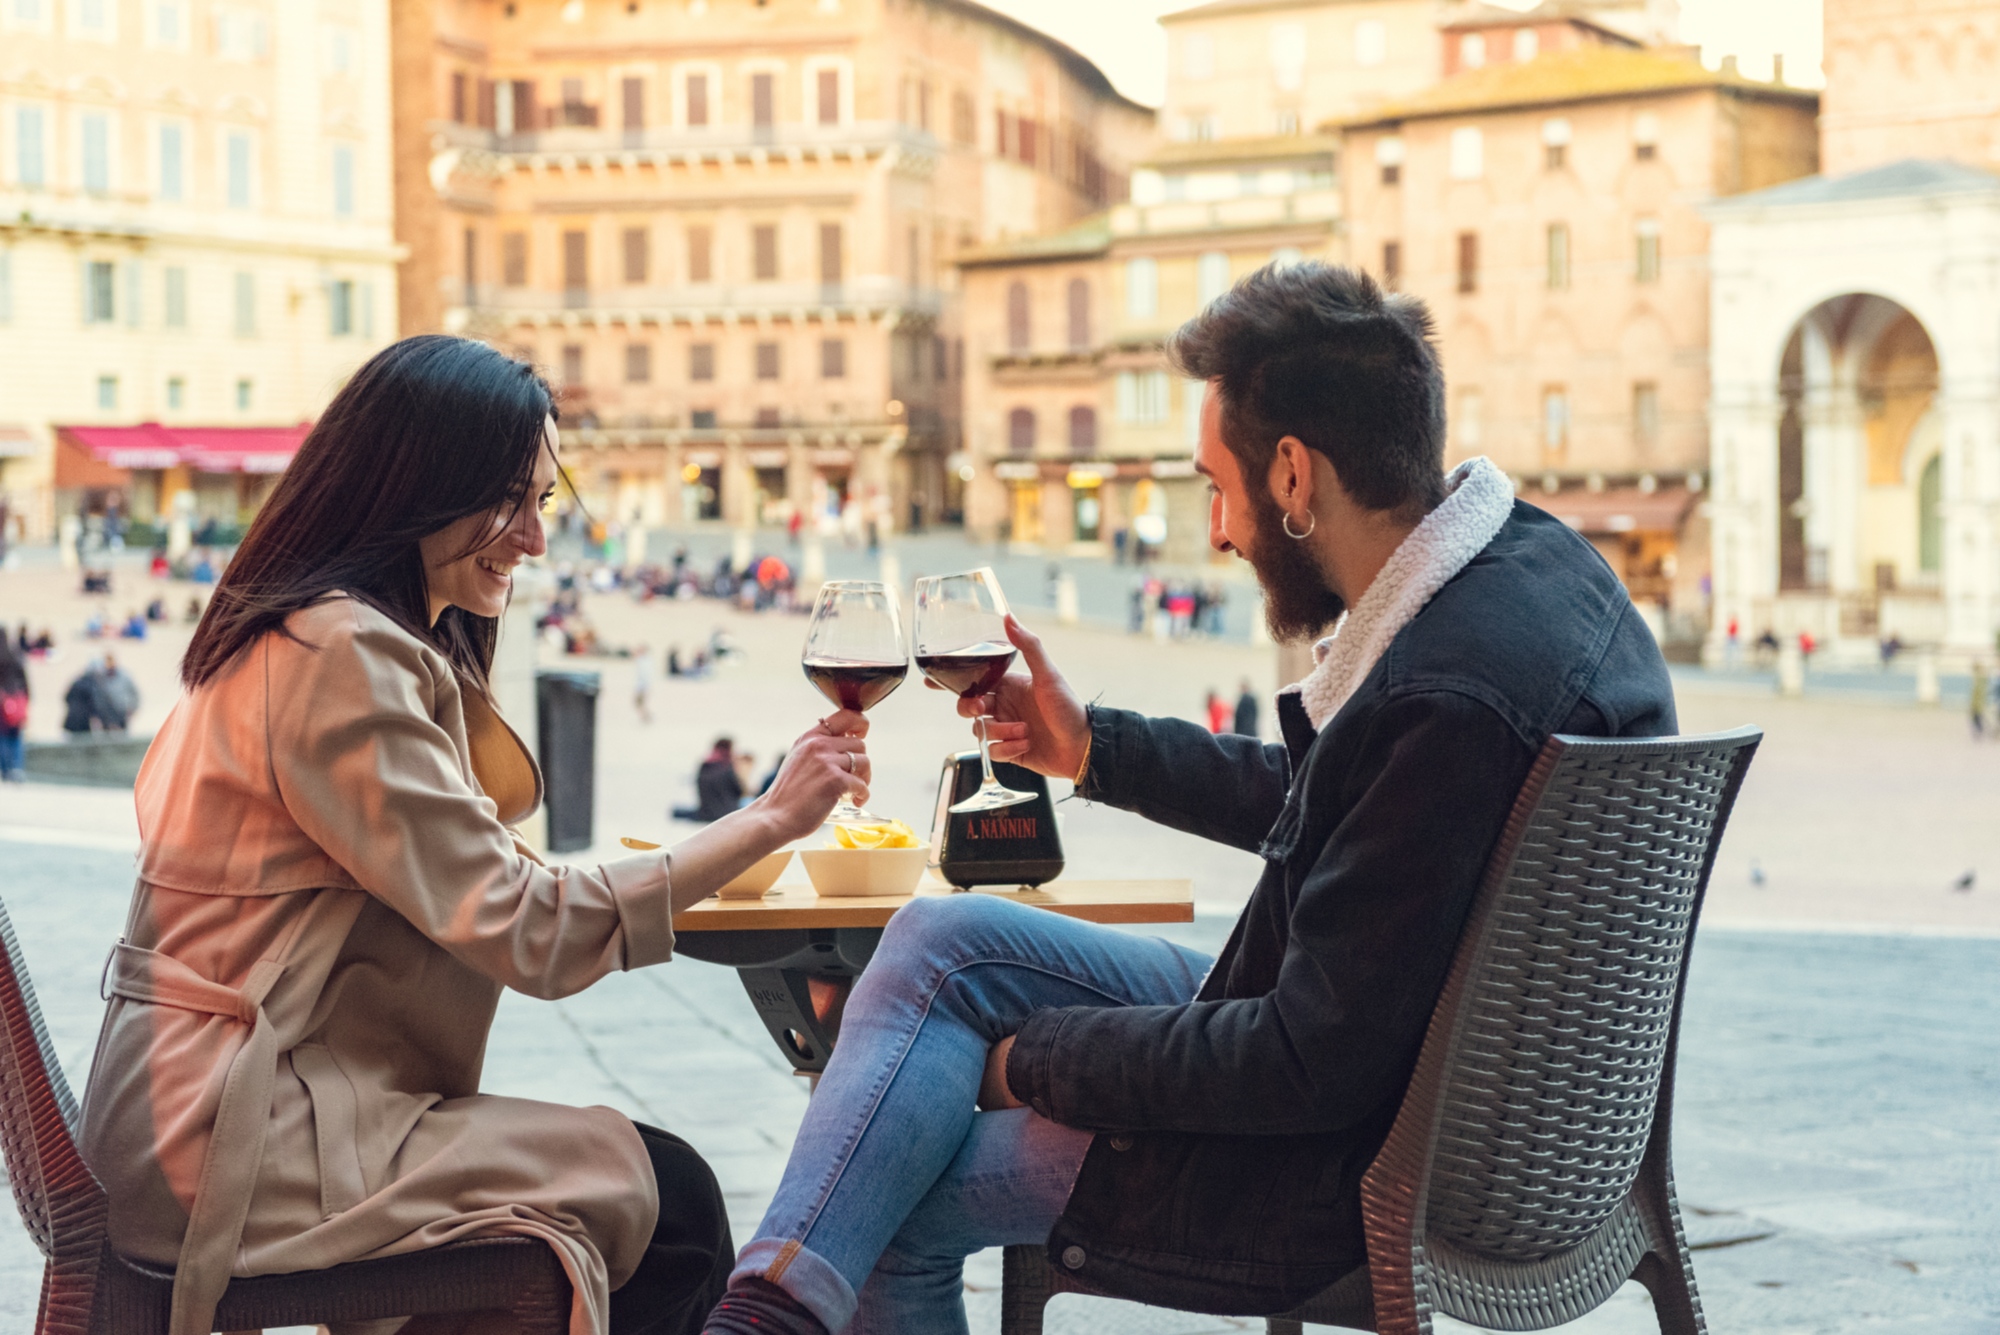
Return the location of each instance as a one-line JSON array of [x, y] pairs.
[[1176, 608]]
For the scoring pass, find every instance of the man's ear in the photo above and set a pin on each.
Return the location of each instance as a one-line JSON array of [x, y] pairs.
[[1292, 475]]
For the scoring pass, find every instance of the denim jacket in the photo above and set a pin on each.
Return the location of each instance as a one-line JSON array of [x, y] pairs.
[[1234, 1130]]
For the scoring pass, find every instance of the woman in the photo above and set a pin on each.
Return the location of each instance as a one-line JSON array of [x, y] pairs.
[[330, 897], [13, 709]]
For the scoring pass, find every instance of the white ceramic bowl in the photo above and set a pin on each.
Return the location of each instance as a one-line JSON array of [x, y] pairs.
[[865, 871], [757, 881]]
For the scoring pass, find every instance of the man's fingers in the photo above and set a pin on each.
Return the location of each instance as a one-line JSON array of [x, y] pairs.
[[1007, 751], [1030, 646]]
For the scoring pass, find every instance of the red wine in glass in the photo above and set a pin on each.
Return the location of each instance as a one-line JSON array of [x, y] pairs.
[[971, 671], [857, 686]]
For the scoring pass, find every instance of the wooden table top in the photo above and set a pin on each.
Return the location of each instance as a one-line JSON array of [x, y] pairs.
[[797, 906]]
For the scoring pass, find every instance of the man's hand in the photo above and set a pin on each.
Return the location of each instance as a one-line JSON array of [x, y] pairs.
[[993, 1092], [1037, 719]]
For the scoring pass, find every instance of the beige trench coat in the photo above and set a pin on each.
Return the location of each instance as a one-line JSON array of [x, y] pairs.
[[328, 906]]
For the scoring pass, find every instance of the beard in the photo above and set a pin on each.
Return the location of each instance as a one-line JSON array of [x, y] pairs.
[[1297, 603]]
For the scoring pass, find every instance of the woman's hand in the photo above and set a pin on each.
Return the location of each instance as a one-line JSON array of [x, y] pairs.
[[830, 759], [1038, 721]]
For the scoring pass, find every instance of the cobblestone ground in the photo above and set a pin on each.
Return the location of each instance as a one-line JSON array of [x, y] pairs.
[[1838, 1119]]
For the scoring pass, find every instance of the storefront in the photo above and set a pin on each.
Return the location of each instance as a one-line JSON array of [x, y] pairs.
[[140, 473]]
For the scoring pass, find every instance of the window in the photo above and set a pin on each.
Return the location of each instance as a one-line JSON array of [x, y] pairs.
[[940, 359], [1083, 429], [764, 252], [697, 100], [1211, 276], [701, 361], [1371, 42], [632, 95], [576, 264], [572, 365], [107, 391], [1555, 419], [1558, 255], [767, 361], [343, 180], [340, 58], [514, 259], [244, 390], [827, 88], [173, 162], [701, 246], [1192, 393], [458, 100], [1079, 314], [913, 251], [1645, 413], [1288, 55], [1198, 56], [236, 157], [702, 419], [1199, 129], [964, 123], [1468, 153], [1527, 44], [1468, 261], [1555, 144], [30, 165], [1646, 236], [94, 135], [763, 101], [92, 18], [637, 253], [1645, 136], [1142, 397], [1392, 264], [135, 291], [1019, 330], [1471, 421], [1142, 288], [1389, 157], [340, 307], [246, 305], [768, 418], [1472, 50], [829, 254], [26, 13], [638, 363], [99, 292], [239, 35], [176, 393], [6, 285], [176, 303], [833, 359], [1021, 431]]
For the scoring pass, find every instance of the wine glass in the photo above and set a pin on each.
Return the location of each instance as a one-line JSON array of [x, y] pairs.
[[855, 654], [962, 645]]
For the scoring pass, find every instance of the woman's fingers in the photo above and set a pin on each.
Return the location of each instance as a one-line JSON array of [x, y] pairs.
[[844, 723]]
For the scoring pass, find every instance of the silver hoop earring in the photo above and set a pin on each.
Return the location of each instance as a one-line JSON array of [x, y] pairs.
[[1286, 524]]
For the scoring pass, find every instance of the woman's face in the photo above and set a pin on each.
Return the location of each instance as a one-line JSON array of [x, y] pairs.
[[470, 562]]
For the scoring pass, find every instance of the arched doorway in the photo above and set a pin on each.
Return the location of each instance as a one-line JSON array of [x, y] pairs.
[[1857, 388]]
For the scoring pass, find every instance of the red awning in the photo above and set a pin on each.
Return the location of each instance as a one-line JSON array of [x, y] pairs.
[[1618, 509], [205, 449]]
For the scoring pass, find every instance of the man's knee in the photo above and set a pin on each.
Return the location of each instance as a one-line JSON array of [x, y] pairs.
[[939, 925]]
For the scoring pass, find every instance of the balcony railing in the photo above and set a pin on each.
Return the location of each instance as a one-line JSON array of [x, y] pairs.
[[864, 296], [585, 137]]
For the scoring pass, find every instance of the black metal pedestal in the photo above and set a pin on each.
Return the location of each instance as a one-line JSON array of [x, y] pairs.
[[798, 978]]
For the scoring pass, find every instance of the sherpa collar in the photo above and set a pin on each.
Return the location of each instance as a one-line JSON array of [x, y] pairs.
[[1478, 499]]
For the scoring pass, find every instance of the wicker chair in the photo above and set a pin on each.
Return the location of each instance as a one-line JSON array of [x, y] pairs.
[[88, 1289], [1527, 1175]]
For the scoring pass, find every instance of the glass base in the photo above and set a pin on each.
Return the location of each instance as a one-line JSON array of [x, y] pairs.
[[991, 799]]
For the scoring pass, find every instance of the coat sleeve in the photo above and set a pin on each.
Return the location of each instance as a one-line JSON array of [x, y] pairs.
[[1227, 788], [1372, 932], [371, 777]]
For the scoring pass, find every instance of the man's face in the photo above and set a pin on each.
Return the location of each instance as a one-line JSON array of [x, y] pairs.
[[1244, 517]]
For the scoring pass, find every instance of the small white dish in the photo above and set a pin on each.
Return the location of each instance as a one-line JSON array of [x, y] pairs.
[[839, 872], [758, 880]]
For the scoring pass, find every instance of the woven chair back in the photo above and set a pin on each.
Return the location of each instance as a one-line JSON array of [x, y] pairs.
[[1553, 1076]]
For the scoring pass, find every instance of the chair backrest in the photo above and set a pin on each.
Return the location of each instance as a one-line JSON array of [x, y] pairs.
[[1545, 1064], [60, 1200]]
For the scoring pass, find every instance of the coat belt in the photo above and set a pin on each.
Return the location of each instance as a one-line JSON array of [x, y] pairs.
[[236, 1143]]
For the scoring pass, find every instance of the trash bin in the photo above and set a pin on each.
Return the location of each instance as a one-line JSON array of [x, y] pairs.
[[567, 703]]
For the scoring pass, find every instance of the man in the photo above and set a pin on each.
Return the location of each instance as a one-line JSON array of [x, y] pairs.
[[1193, 1131], [1246, 710]]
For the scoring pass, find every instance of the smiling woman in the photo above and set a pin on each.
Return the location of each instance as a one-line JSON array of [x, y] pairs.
[[330, 894]]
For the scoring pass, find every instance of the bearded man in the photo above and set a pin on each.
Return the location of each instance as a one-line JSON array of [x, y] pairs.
[[1193, 1131]]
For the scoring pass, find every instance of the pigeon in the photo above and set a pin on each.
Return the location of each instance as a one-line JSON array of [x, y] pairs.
[[1963, 885], [1756, 874]]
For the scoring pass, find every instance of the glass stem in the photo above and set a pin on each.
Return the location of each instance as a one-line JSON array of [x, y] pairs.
[[985, 758]]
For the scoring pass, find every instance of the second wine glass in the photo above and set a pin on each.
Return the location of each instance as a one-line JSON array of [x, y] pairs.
[[856, 655], [962, 645]]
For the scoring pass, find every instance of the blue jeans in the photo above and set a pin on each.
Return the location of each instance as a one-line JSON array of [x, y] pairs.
[[896, 1178], [10, 752]]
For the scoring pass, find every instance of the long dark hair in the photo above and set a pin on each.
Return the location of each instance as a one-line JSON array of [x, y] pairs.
[[428, 431]]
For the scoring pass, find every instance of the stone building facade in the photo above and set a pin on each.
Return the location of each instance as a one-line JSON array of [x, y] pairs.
[[1856, 364], [1549, 213], [726, 227], [195, 230]]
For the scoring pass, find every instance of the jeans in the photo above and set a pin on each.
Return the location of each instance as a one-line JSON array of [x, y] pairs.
[[896, 1178], [10, 753]]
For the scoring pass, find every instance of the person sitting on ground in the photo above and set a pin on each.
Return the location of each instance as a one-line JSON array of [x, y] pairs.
[[331, 897], [718, 787], [1190, 1130], [119, 692]]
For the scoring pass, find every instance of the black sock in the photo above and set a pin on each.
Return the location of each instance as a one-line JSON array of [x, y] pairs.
[[755, 1306]]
